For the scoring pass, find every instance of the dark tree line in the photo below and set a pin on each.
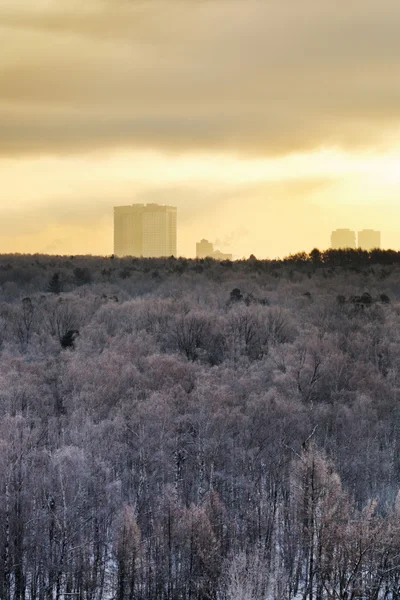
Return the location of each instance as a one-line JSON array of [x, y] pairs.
[[175, 429]]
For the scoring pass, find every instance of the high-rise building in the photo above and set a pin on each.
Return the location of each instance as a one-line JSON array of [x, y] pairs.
[[343, 238], [128, 230], [148, 230], [368, 239], [159, 230]]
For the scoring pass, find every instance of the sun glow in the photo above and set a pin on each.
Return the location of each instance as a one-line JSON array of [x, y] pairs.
[[48, 198]]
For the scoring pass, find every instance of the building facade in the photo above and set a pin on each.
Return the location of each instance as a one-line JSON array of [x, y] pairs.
[[148, 230], [368, 239], [128, 231], [343, 238]]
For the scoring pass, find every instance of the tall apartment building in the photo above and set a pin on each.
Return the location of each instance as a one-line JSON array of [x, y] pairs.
[[128, 230], [368, 239], [343, 238], [148, 230]]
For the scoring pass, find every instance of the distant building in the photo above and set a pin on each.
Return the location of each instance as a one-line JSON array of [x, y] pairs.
[[128, 230], [205, 249], [218, 255], [148, 230], [343, 238], [368, 239], [159, 230]]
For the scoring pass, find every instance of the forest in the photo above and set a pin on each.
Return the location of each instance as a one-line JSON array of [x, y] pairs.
[[176, 429]]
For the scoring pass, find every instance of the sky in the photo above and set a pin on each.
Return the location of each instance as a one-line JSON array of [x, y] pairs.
[[268, 123]]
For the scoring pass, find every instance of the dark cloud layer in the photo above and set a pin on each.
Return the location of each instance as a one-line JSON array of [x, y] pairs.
[[255, 77]]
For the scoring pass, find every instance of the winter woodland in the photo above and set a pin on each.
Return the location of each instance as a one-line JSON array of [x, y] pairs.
[[181, 429]]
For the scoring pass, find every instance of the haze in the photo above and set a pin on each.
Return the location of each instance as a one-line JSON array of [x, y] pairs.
[[268, 124]]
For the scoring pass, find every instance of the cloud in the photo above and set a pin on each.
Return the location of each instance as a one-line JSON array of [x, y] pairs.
[[245, 77]]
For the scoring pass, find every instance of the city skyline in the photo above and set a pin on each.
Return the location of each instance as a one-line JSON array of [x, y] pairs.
[[217, 108], [151, 231]]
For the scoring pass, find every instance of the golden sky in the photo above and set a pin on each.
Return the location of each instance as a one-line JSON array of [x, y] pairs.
[[267, 122]]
